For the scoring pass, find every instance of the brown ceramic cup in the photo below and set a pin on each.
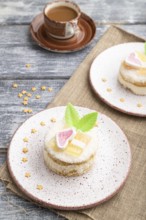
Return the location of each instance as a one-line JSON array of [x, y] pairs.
[[61, 19]]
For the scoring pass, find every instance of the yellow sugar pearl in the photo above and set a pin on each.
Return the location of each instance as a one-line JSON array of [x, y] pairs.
[[25, 110], [20, 95], [29, 110], [53, 119], [39, 187], [37, 96], [50, 89], [25, 102], [15, 85], [29, 94], [109, 90], [23, 92], [25, 98], [33, 130], [33, 89], [28, 65], [24, 159], [25, 150], [104, 79], [43, 88], [27, 174], [139, 105], [42, 123], [25, 139], [122, 100]]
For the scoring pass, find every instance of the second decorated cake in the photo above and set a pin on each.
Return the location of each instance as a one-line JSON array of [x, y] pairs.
[[132, 73]]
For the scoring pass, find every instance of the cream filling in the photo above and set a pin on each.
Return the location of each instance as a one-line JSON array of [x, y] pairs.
[[66, 169], [132, 75], [136, 89], [60, 155]]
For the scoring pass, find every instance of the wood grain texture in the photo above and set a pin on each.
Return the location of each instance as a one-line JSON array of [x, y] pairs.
[[11, 107], [17, 49], [105, 11], [44, 64]]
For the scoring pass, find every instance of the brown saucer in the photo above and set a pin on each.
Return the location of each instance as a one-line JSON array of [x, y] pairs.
[[82, 38]]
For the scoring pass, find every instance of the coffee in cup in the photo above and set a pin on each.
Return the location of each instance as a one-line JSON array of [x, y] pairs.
[[61, 19]]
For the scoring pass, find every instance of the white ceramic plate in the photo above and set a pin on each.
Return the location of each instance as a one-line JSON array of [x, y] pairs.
[[102, 182], [103, 78]]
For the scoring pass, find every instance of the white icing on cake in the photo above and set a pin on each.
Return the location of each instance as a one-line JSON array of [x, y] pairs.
[[79, 143], [60, 155]]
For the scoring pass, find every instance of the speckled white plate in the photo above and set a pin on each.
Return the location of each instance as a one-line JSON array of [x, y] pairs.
[[103, 78], [106, 178]]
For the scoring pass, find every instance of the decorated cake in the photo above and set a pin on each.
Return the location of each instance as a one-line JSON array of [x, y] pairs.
[[71, 144], [132, 74]]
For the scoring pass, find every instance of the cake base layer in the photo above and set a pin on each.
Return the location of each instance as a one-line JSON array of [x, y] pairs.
[[68, 169], [138, 90]]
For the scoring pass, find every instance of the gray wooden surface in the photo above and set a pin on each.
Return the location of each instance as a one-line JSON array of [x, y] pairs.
[[50, 69]]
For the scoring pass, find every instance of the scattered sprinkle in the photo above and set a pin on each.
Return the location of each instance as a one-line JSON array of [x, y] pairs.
[[50, 89], [25, 150], [109, 90], [139, 105], [25, 110], [39, 187], [24, 159], [29, 94], [29, 110], [53, 119], [33, 130], [28, 65], [20, 95], [42, 123], [27, 174], [23, 92], [14, 85], [37, 96], [25, 139], [104, 79], [33, 89], [25, 102], [122, 100], [25, 98], [43, 88]]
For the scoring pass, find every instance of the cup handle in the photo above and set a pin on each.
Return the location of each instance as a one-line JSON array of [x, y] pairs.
[[71, 28], [74, 25]]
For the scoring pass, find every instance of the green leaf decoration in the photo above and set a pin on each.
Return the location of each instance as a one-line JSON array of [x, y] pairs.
[[71, 115], [72, 118], [145, 48], [87, 122]]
